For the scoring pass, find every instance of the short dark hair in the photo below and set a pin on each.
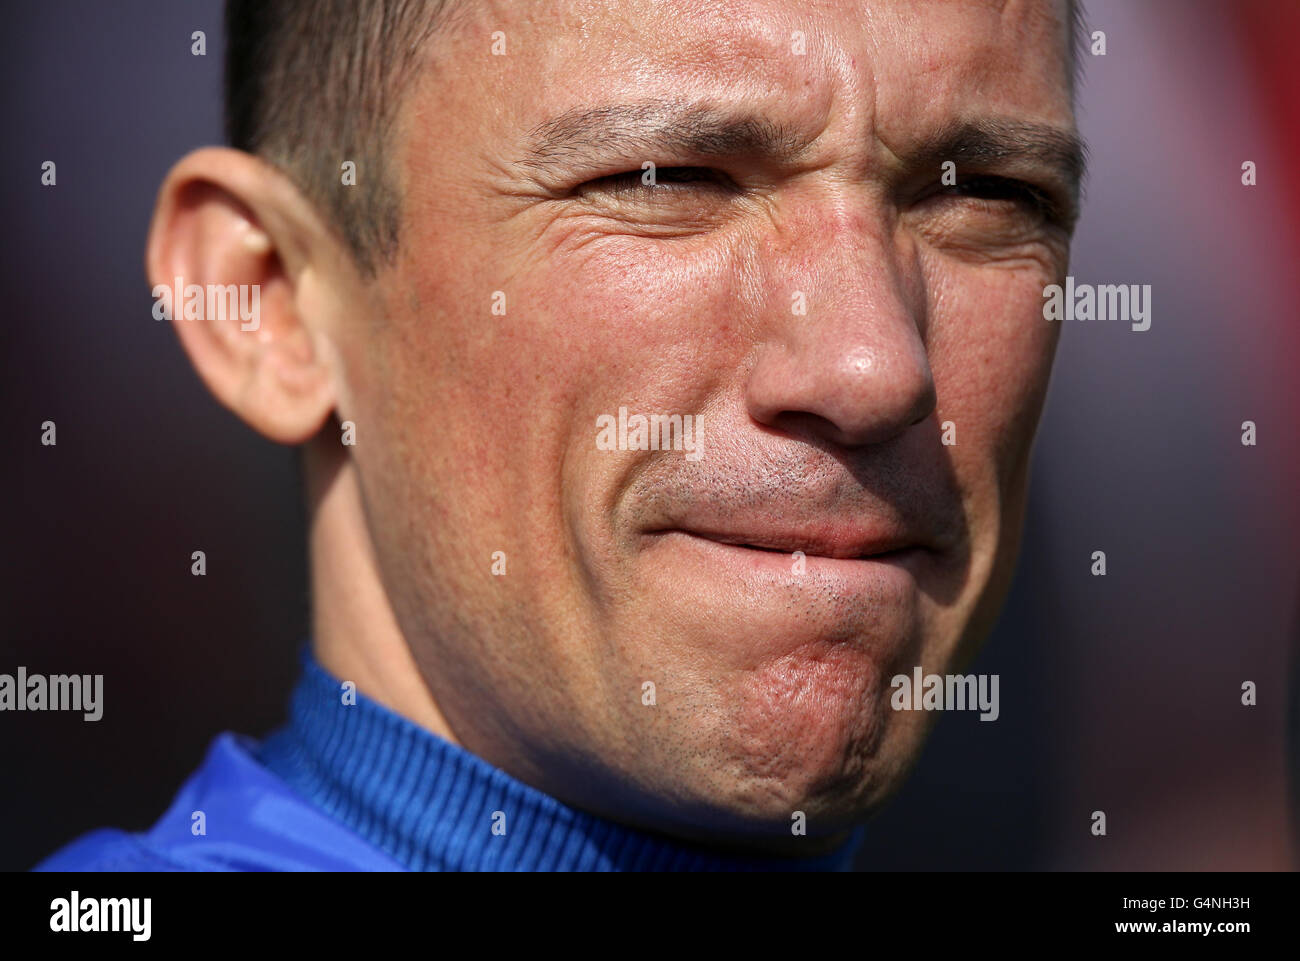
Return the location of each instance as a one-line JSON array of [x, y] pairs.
[[312, 83], [1078, 41]]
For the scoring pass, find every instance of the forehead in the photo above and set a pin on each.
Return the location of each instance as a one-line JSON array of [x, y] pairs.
[[898, 65]]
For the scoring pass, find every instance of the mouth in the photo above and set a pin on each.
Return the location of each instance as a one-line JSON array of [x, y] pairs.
[[771, 565], [841, 544], [776, 591]]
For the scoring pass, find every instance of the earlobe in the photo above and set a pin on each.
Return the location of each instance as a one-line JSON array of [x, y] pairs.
[[225, 255]]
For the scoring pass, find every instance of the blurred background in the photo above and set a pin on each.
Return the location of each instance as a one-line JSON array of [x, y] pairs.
[[1119, 693]]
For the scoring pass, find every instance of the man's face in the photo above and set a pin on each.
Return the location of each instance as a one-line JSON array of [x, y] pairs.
[[860, 345]]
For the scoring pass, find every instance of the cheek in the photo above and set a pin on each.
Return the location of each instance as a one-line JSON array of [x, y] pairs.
[[991, 353], [622, 322], [580, 322], [486, 421], [635, 302]]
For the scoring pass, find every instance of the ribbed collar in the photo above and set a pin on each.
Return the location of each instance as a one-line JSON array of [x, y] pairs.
[[430, 804]]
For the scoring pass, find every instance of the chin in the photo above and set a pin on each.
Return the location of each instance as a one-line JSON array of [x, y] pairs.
[[811, 731]]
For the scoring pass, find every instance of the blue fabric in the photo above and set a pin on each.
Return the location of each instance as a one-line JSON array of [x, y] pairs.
[[356, 787]]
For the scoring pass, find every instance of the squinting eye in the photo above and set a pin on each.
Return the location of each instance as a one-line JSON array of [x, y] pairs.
[[644, 182], [1005, 188]]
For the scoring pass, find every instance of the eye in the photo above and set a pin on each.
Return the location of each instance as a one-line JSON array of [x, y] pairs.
[[633, 184], [1006, 190]]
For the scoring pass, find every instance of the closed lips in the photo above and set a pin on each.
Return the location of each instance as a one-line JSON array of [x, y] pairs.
[[847, 545]]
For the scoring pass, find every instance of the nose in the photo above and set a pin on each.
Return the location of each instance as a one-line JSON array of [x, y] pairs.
[[843, 357]]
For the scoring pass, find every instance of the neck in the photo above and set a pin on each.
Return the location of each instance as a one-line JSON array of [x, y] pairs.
[[355, 632]]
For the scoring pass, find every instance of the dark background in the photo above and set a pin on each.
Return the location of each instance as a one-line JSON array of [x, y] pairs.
[[1119, 693]]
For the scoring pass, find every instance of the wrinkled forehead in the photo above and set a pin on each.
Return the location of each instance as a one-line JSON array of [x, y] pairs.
[[899, 66]]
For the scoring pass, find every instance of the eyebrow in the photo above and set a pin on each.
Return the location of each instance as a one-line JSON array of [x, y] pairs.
[[618, 133], [654, 128]]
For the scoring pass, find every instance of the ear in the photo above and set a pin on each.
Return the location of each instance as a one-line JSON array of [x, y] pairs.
[[226, 218]]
